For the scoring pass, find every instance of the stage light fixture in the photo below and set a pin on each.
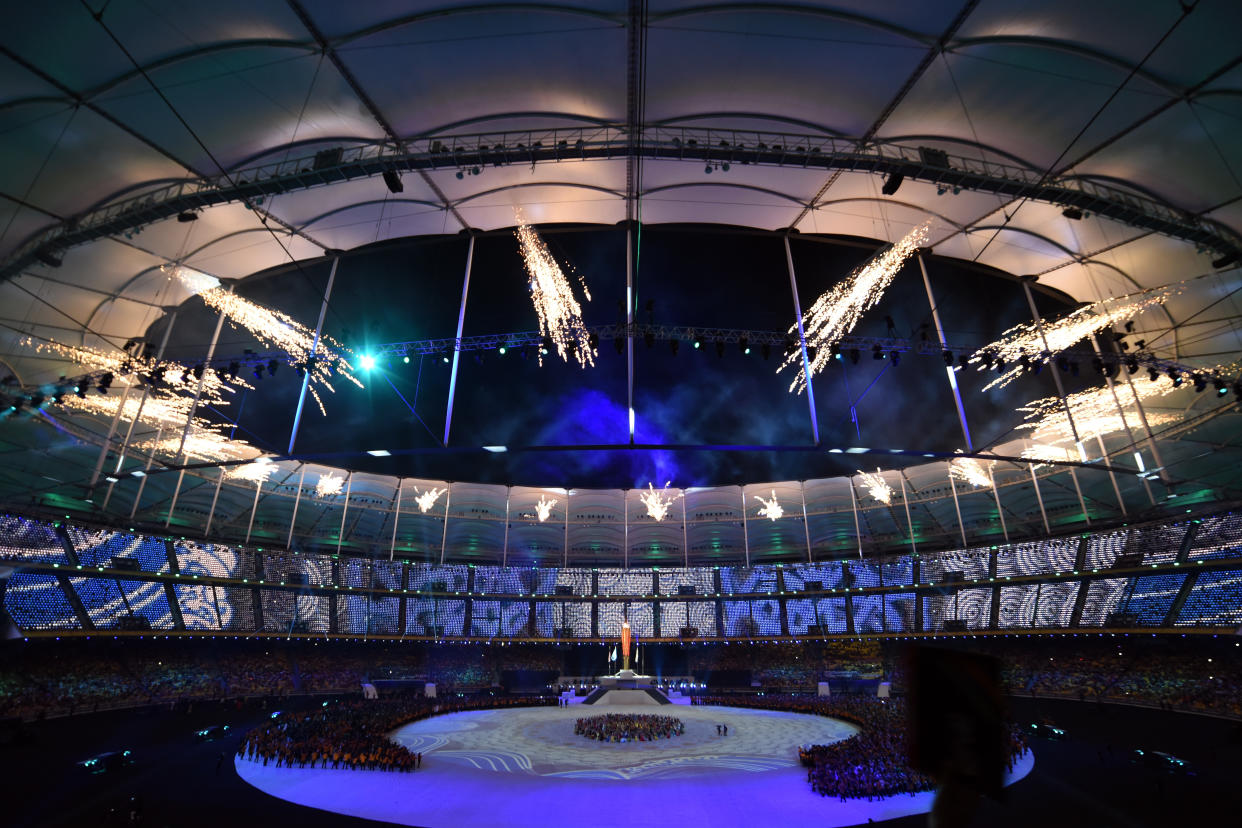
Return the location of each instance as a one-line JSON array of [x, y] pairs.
[[892, 183], [198, 370], [1199, 381], [272, 365], [811, 351], [877, 352], [367, 362], [743, 345], [948, 358], [896, 358], [1131, 364], [1072, 213], [1098, 365], [406, 360], [1221, 388], [105, 382], [698, 342], [854, 355], [393, 181], [1153, 374], [1222, 262]]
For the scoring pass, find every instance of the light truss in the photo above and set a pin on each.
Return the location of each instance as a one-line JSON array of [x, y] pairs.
[[697, 145]]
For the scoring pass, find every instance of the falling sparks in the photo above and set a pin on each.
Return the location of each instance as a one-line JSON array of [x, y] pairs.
[[427, 499], [836, 312], [200, 443], [329, 485], [543, 509], [970, 471], [560, 315], [276, 330], [256, 472], [877, 487], [657, 502], [1095, 414], [1028, 340], [771, 509]]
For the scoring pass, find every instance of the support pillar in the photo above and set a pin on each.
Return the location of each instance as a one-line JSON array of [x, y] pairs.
[[461, 321], [806, 362], [306, 377], [944, 345], [142, 401], [1000, 512]]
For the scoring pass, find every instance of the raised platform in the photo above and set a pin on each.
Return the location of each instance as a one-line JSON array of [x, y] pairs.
[[627, 696], [627, 688]]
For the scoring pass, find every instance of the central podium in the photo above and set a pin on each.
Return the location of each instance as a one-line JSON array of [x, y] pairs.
[[629, 688]]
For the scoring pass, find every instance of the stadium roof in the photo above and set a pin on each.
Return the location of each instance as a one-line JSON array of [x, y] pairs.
[[1092, 144]]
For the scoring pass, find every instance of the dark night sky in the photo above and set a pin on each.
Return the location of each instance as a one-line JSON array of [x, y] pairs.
[[694, 276]]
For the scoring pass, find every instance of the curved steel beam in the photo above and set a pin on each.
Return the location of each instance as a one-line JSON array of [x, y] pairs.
[[527, 184], [759, 116], [797, 9], [1068, 47], [484, 8], [354, 206], [201, 51], [889, 201], [720, 183]]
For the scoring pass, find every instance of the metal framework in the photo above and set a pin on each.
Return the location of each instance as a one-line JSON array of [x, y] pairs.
[[252, 185]]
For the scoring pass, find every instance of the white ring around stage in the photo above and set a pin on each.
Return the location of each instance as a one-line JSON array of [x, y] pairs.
[[525, 768]]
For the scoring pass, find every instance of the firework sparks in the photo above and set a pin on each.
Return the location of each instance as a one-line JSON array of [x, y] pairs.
[[656, 502], [835, 313], [427, 499], [877, 487], [329, 485], [543, 509], [771, 509], [1027, 340], [1095, 413], [256, 472], [970, 471], [275, 330], [560, 315]]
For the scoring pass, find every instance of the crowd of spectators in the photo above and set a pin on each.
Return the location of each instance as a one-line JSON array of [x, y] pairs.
[[627, 727], [50, 678], [872, 763], [793, 665], [354, 734]]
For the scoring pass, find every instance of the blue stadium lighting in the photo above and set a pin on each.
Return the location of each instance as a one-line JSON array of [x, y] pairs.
[[367, 362]]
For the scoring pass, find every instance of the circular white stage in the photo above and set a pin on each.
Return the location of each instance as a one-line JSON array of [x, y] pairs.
[[525, 767]]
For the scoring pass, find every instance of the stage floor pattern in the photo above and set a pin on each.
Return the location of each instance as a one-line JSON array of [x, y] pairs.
[[525, 767]]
